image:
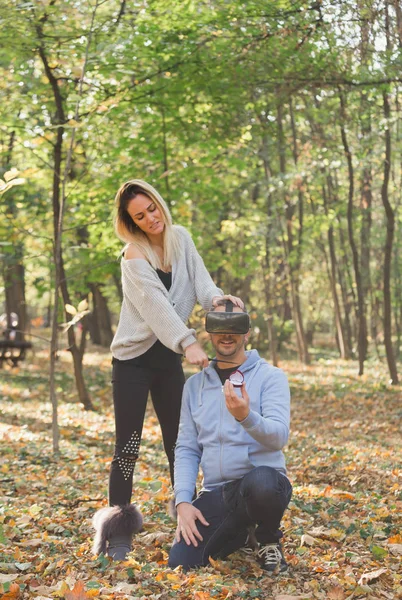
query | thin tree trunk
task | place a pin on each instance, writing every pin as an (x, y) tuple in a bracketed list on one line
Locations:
[(343, 349), (347, 291), (388, 248), (291, 250), (117, 282), (272, 337), (13, 267), (362, 327), (100, 325), (58, 200)]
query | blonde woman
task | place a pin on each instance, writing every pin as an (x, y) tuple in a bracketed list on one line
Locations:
[(163, 276)]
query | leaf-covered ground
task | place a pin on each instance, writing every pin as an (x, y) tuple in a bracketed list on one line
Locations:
[(343, 535)]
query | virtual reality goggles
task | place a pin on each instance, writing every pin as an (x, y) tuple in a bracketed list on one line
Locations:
[(228, 321)]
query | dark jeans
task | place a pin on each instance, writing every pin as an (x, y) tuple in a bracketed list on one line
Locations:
[(259, 498), (132, 383)]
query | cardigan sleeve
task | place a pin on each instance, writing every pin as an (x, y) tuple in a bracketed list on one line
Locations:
[(205, 288), (144, 289)]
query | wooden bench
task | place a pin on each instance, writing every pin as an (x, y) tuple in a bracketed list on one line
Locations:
[(13, 351)]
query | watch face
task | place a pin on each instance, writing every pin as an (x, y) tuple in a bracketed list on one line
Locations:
[(236, 378)]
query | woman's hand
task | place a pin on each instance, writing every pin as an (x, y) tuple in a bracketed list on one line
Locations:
[(236, 301), (195, 355)]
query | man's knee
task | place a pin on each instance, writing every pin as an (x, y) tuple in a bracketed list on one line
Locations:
[(174, 558), (263, 484), (185, 556), (180, 555)]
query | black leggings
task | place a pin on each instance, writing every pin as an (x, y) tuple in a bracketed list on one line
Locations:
[(131, 384)]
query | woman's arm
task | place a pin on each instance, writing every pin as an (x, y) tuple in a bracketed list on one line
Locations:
[(147, 293), (208, 294)]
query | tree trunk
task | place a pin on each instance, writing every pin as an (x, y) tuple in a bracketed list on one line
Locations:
[(117, 282), (13, 267), (388, 249), (343, 348), (272, 337), (292, 252), (58, 213), (347, 291), (100, 324), (362, 327)]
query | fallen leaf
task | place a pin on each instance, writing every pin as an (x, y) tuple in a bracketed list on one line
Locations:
[(31, 543), (287, 597), (202, 596), (336, 593), (77, 593), (371, 576), (328, 534), (23, 566), (10, 591), (150, 538), (395, 549), (220, 566), (307, 540), (34, 510), (6, 577)]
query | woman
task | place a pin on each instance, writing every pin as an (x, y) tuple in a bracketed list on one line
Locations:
[(163, 276)]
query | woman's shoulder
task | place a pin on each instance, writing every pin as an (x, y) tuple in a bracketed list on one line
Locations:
[(131, 251)]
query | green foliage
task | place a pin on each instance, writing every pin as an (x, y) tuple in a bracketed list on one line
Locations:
[(189, 96)]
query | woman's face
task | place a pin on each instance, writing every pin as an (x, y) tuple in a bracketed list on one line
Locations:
[(146, 214)]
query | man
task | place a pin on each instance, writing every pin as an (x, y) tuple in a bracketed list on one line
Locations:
[(234, 423)]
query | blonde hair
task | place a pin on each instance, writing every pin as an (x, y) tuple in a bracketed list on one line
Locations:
[(129, 232)]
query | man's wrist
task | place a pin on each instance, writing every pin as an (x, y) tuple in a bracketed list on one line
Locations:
[(243, 418), (183, 496)]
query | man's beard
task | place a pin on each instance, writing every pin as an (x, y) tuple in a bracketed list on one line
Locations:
[(229, 350)]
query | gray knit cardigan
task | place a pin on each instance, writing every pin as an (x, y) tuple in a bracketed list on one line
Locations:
[(149, 312)]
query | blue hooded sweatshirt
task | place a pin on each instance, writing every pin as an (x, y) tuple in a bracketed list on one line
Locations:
[(225, 448)]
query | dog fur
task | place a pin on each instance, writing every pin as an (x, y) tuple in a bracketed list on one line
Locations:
[(172, 510), (114, 521)]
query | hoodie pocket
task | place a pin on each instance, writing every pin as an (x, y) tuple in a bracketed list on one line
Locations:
[(235, 461)]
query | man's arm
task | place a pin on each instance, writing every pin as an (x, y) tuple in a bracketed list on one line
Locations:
[(187, 452), (270, 427), (187, 459)]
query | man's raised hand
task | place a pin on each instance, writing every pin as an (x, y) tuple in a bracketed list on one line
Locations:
[(238, 406)]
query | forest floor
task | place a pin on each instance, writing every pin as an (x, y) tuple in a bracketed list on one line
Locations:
[(342, 531)]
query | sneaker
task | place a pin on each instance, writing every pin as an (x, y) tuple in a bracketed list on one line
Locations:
[(271, 558)]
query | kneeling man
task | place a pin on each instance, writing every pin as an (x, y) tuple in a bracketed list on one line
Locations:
[(234, 423)]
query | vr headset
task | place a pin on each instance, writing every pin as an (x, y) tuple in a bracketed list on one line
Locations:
[(228, 321)]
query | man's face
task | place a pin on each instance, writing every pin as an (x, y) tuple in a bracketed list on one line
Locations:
[(228, 344)]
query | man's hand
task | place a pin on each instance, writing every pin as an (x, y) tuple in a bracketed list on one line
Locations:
[(238, 406), (187, 514)]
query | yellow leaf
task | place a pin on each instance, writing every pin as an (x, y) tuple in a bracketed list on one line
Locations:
[(219, 566), (11, 174), (34, 510), (77, 593), (71, 310), (83, 305), (172, 577)]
